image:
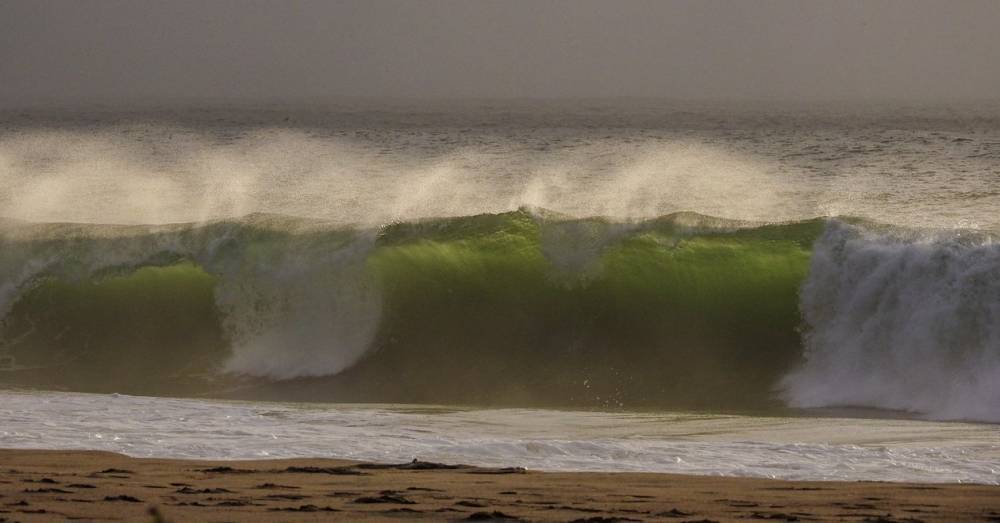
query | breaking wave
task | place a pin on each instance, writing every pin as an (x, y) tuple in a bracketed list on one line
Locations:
[(516, 308), (901, 322)]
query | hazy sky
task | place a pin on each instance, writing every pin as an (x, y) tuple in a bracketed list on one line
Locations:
[(83, 49)]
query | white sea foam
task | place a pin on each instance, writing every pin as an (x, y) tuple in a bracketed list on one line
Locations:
[(786, 448), (909, 324)]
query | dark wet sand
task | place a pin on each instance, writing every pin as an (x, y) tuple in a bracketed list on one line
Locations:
[(78, 485)]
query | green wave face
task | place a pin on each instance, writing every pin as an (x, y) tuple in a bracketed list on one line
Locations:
[(476, 309), (508, 309), (148, 332)]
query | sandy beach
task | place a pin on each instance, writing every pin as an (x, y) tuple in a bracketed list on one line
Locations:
[(43, 485)]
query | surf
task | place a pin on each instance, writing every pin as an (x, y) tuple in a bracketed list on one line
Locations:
[(522, 308)]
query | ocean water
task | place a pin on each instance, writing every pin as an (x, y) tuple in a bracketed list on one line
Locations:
[(630, 257), (794, 448)]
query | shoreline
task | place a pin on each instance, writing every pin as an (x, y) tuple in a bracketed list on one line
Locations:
[(46, 485)]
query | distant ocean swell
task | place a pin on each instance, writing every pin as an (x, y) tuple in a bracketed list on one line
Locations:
[(518, 308)]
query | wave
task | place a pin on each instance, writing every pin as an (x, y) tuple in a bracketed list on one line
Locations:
[(286, 297), (517, 308), (901, 322)]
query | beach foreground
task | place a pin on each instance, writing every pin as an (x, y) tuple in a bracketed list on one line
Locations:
[(42, 485)]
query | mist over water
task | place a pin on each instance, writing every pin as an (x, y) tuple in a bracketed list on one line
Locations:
[(115, 178), (909, 166)]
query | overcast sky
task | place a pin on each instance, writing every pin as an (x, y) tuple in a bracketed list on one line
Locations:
[(73, 50)]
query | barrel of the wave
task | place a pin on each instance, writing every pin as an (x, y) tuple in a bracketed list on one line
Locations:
[(656, 314)]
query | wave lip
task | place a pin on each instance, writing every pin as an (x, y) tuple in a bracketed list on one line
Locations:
[(902, 324)]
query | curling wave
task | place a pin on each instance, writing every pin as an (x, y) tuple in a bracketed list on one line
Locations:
[(517, 308)]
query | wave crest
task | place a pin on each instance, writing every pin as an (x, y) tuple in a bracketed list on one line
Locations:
[(518, 308), (901, 323)]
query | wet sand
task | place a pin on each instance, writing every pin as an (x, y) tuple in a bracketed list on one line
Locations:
[(40, 485)]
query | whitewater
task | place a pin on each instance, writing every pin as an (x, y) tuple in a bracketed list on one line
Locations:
[(545, 261), (795, 448)]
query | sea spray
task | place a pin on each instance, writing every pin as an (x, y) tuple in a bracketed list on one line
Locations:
[(160, 174), (901, 320), (297, 305)]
